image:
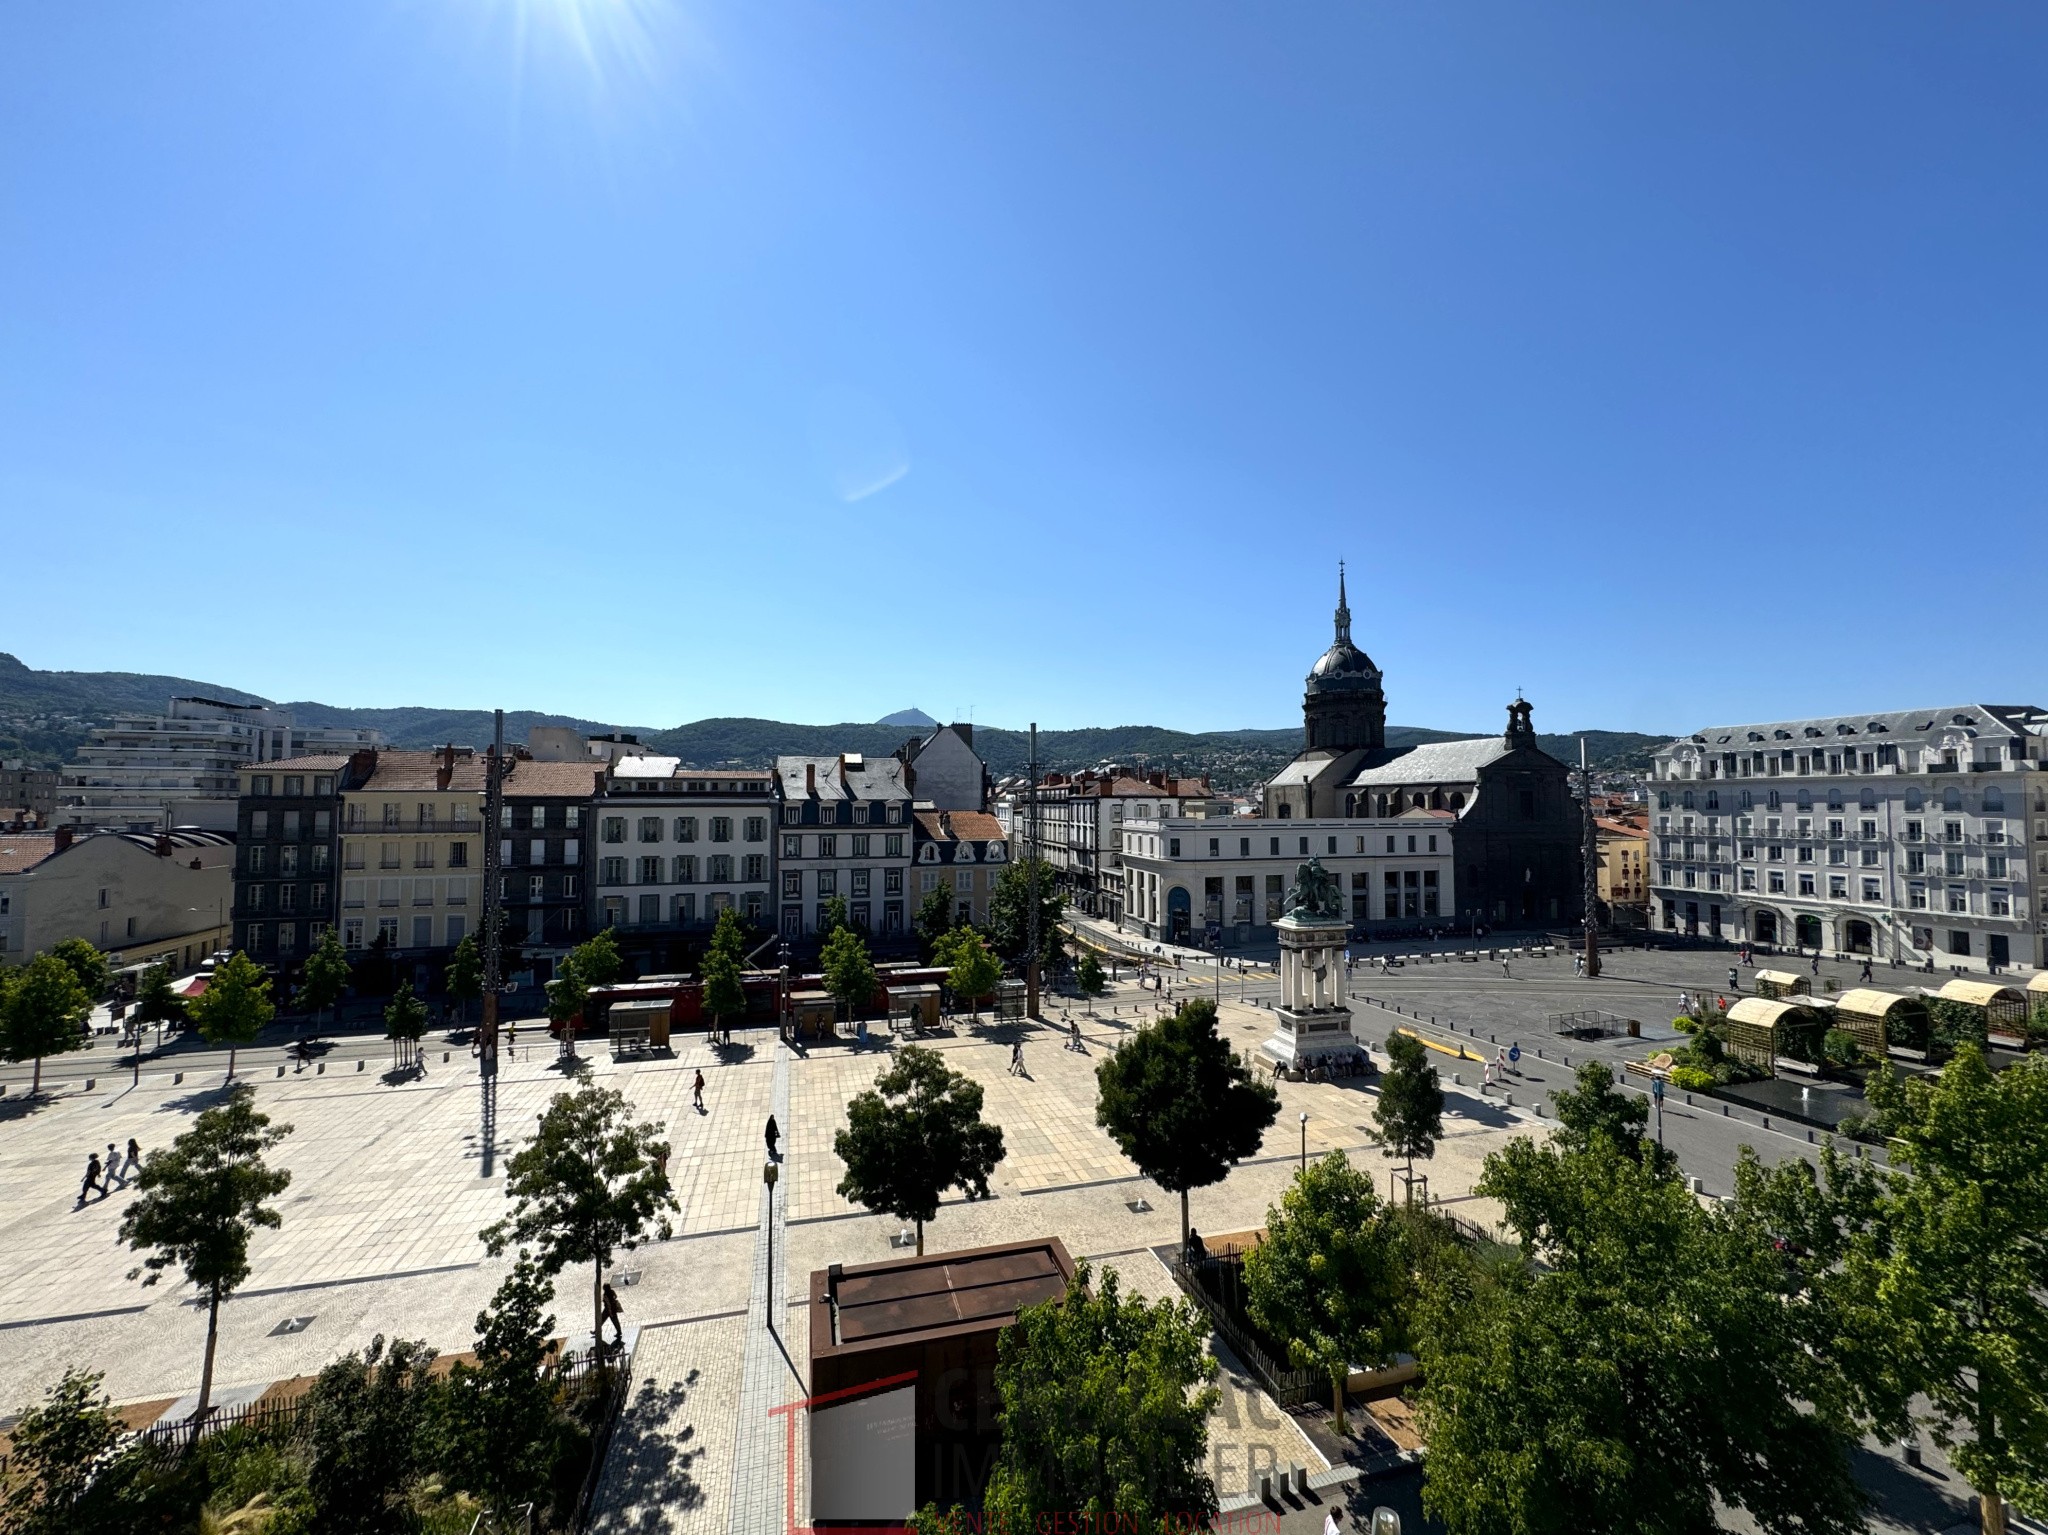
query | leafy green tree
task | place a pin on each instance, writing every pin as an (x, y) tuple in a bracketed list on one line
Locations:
[(1089, 977), (849, 974), (833, 920), (1593, 1112), (933, 919), (55, 1449), (1181, 1104), (326, 974), (1955, 1262), (1645, 1368), (1410, 1110), (43, 1013), (200, 1200), (1332, 1275), (1104, 1411), (597, 959), (156, 1002), (1009, 914), (364, 1430), (729, 936), (589, 1184), (88, 964), (725, 993), (235, 1005), (972, 971), (594, 962), (405, 1023), (465, 974), (916, 1133), (501, 1419)]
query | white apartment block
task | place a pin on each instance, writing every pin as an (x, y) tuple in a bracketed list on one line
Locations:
[(676, 846), (845, 834), (1903, 836), (1188, 879), (1079, 821)]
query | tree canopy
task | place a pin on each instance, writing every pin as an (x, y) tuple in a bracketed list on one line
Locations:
[(42, 1012), (972, 969), (725, 993), (54, 1449), (1009, 914), (1410, 1111), (1089, 977), (465, 973), (157, 1000), (933, 919), (849, 974), (88, 964), (1181, 1104), (405, 1022), (916, 1133), (235, 1005)]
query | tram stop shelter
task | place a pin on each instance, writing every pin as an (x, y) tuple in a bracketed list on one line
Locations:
[(903, 1403), (1761, 1029), (1783, 983), (1877, 1020), (815, 1013), (640, 1023)]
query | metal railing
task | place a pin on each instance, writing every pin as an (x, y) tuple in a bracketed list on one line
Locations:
[(1207, 1280)]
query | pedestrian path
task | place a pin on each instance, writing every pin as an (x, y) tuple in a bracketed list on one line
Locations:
[(769, 1379)]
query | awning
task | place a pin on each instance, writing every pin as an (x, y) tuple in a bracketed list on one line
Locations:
[(1982, 993)]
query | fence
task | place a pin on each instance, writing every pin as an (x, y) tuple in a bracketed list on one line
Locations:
[(272, 1417), (621, 1366), (1215, 1281)]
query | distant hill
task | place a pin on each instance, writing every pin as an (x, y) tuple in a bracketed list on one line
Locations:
[(45, 716), (909, 719)]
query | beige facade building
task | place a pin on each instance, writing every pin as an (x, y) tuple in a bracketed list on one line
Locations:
[(963, 852), (139, 897), (412, 852)]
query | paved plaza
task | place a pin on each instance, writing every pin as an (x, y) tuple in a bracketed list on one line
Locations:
[(393, 1179)]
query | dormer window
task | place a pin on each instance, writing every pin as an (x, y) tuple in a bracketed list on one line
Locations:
[(828, 815), (860, 815)]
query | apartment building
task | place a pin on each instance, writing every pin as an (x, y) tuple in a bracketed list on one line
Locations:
[(1912, 835), (29, 790), (139, 896), (412, 852), (288, 852), (845, 833), (962, 852), (544, 818), (676, 846), (1075, 823)]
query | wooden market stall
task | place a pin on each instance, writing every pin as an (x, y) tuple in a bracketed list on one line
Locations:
[(1761, 1029)]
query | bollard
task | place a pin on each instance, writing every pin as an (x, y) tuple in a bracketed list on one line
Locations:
[(1539, 1052), (1688, 1100), (1809, 1137), (1457, 1079), (1767, 1121), (361, 1064), (1265, 1486), (89, 1081), (319, 1068), (1508, 1098), (444, 1057), (280, 1071), (1724, 1111), (177, 1077)]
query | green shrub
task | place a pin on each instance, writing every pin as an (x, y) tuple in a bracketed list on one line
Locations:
[(1954, 1024), (1693, 1079), (1685, 1023), (1839, 1048)]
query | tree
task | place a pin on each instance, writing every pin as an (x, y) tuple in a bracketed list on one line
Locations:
[(1955, 1262), (1089, 977), (972, 971), (916, 1133), (933, 919), (375, 974), (500, 1416), (199, 1202), (849, 973), (326, 974), (363, 1430), (465, 974), (1410, 1111), (44, 1013), (589, 1183), (156, 1001), (235, 1005), (1645, 1368), (1331, 1277), (729, 936), (88, 964), (594, 962), (55, 1449), (1592, 1112), (597, 959), (833, 919), (1181, 1104), (725, 994), (1104, 1411), (405, 1021), (1009, 914)]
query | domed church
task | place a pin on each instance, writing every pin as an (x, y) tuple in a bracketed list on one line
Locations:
[(1515, 828)]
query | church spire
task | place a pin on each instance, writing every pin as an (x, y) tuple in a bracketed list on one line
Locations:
[(1343, 609)]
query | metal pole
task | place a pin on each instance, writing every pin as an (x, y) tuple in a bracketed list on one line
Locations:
[(1304, 1140), (1031, 971), (1591, 857), (494, 800)]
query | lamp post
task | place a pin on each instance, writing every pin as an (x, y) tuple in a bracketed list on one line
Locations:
[(1304, 1140), (768, 1176)]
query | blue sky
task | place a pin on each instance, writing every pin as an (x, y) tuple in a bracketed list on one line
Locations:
[(1673, 363)]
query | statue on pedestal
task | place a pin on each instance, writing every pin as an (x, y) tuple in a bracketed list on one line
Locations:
[(1317, 896)]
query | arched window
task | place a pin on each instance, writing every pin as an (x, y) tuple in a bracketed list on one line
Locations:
[(1994, 800), (1663, 799), (1713, 799), (1867, 800), (1688, 799)]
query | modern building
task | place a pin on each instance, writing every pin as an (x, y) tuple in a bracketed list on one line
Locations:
[(1903, 835), (30, 790), (140, 897), (544, 819), (945, 771), (179, 768), (845, 833), (676, 846), (288, 852), (1075, 822), (962, 852), (559, 743), (412, 852)]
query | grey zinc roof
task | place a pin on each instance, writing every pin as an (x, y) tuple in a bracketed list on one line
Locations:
[(1880, 725), (1431, 762), (1305, 767), (866, 777)]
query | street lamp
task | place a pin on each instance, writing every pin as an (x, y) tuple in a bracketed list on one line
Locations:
[(1304, 1140)]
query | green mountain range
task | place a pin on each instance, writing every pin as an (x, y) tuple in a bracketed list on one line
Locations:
[(46, 715)]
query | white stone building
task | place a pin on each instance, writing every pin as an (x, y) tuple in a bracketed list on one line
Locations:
[(1079, 820), (140, 897), (676, 846), (845, 833), (1902, 835)]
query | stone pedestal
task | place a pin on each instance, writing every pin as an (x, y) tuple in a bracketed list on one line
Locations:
[(1311, 1019)]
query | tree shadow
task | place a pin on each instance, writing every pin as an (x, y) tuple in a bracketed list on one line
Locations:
[(732, 1054), (20, 1105), (1480, 1110), (652, 1467), (204, 1098), (576, 1066)]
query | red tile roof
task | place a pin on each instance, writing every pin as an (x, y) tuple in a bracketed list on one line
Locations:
[(960, 826), (553, 780), (25, 849), (414, 772)]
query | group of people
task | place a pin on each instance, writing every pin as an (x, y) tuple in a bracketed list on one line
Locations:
[(101, 1176)]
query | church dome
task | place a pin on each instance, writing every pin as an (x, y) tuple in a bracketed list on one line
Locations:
[(1342, 660)]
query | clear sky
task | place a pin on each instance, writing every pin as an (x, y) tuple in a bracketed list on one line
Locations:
[(1675, 363)]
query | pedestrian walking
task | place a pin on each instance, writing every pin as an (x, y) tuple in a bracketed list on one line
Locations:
[(134, 1155), (612, 1311), (1734, 979), (697, 1091), (512, 1041), (114, 1165), (92, 1184), (1816, 961), (1506, 974), (1017, 1058), (1074, 1036), (773, 1135), (1866, 967), (1330, 1525), (1685, 1004)]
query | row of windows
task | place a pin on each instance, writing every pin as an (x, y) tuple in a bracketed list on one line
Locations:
[(682, 910), (1997, 901), (537, 887), (1992, 799), (1987, 756), (1992, 832), (859, 882), (452, 929), (294, 785), (828, 845), (858, 915), (537, 850), (1149, 846), (390, 855), (535, 818), (293, 825), (857, 813), (283, 938), (256, 859), (394, 892), (287, 897), (356, 816), (683, 828), (682, 869)]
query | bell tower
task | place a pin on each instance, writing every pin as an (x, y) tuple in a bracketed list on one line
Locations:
[(1344, 707)]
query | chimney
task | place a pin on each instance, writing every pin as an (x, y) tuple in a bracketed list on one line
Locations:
[(810, 778), (842, 770), (445, 774), (64, 836), (965, 733), (163, 845)]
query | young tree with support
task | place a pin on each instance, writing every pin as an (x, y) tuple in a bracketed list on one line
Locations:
[(405, 1024), (465, 974), (588, 1185), (1181, 1104), (1089, 977), (199, 1201), (43, 1011), (850, 976), (725, 993), (157, 1001), (1410, 1111), (1332, 1276), (916, 1133), (972, 970), (234, 1007), (325, 980)]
